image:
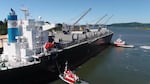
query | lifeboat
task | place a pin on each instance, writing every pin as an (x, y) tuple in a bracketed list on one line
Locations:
[(49, 45)]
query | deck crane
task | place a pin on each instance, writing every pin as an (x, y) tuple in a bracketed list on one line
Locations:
[(108, 19), (67, 29), (104, 24), (96, 25), (82, 16), (101, 19)]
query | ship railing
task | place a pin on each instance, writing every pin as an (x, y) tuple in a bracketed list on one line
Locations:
[(89, 36), (49, 52), (83, 38), (10, 65), (80, 38)]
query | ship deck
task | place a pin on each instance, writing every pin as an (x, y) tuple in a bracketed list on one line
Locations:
[(68, 42)]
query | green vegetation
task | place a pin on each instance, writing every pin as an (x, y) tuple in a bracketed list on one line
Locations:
[(3, 27), (132, 24)]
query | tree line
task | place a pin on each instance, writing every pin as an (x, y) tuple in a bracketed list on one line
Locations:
[(3, 27), (131, 24)]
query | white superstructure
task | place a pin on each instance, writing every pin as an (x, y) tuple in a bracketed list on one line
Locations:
[(30, 40)]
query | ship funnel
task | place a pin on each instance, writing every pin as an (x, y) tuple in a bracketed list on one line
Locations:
[(12, 27)]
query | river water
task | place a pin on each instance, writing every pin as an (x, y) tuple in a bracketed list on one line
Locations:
[(116, 65)]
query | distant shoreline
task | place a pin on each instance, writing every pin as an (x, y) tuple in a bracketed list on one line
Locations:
[(131, 24)]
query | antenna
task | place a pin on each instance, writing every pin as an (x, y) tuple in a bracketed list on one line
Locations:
[(25, 11)]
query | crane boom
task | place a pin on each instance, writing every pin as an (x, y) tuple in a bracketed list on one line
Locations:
[(108, 19), (82, 16), (101, 19)]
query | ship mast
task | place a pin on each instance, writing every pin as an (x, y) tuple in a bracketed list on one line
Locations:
[(25, 11)]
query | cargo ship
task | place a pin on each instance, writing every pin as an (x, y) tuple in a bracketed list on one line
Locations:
[(35, 54)]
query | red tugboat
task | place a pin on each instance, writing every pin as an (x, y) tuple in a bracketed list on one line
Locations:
[(119, 42), (69, 77)]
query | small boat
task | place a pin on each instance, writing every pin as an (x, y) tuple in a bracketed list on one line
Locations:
[(120, 43), (69, 77)]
